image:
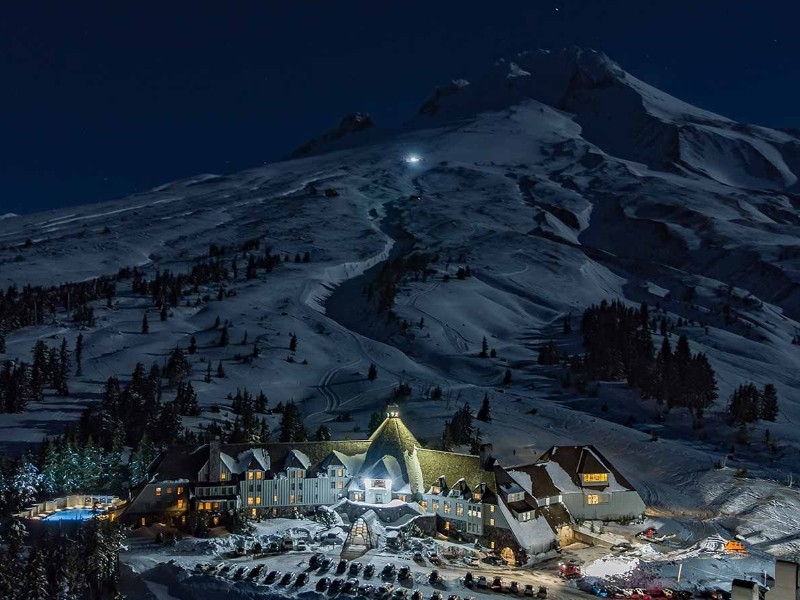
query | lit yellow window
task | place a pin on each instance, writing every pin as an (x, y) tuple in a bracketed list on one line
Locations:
[(180, 503), (158, 491), (423, 505), (459, 510), (253, 513), (216, 505), (340, 473), (258, 499), (223, 476), (595, 477), (291, 499), (491, 545), (275, 498), (300, 474), (259, 475), (476, 496), (447, 525), (447, 508), (341, 484), (180, 490), (250, 475), (208, 505), (435, 506), (592, 499), (491, 522), (249, 501)]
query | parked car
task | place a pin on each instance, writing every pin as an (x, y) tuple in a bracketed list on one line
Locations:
[(436, 596), (300, 546), (272, 577), (355, 568), (273, 547), (326, 563), (286, 579), (528, 591), (513, 588), (384, 591), (301, 580), (482, 582), (418, 558), (224, 569), (323, 583), (369, 570), (388, 571), (542, 593), (316, 560), (469, 579), (350, 586), (416, 595), (434, 577), (366, 589), (404, 572), (238, 573), (497, 584), (336, 585), (454, 597), (256, 571), (399, 593), (341, 567)]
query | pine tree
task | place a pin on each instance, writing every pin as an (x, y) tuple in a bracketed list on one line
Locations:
[(323, 434), (163, 313), (34, 584), (79, 355), (207, 377), (62, 370), (192, 346), (216, 322), (372, 373), (507, 377), (292, 428), (220, 370), (244, 338), (567, 326), (769, 403), (375, 421), (485, 414), (256, 351), (2, 343), (293, 343), (484, 348), (224, 338), (145, 325)]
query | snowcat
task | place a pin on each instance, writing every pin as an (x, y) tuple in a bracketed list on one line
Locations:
[(570, 570)]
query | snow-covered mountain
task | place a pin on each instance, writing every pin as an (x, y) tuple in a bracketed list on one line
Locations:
[(560, 180)]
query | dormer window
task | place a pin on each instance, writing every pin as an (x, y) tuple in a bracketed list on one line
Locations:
[(595, 478), (223, 476)]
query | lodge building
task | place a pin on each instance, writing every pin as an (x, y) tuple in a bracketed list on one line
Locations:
[(521, 511)]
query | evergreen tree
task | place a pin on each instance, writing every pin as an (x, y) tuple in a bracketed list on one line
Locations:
[(293, 343), (2, 343), (163, 313), (323, 434), (62, 370), (220, 370), (261, 402), (484, 348), (224, 338), (375, 421), (372, 373), (192, 346), (292, 428), (79, 355), (744, 404), (256, 351), (145, 325), (207, 377), (485, 414), (769, 403), (507, 377)]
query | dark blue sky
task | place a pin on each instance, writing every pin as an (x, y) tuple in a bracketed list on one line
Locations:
[(101, 99)]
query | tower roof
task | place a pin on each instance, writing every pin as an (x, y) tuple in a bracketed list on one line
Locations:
[(395, 440)]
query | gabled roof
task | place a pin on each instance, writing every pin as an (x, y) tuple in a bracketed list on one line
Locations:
[(435, 464), (180, 462), (575, 460), (296, 460), (535, 480)]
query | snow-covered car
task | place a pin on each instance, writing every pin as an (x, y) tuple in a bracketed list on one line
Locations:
[(482, 582), (300, 546), (350, 586), (388, 571), (287, 578), (434, 577), (399, 594), (336, 585), (316, 560), (326, 564), (323, 584), (469, 579), (255, 571), (454, 597), (355, 568), (404, 572), (384, 591), (301, 580), (436, 596), (366, 589), (497, 584), (416, 595), (418, 558), (239, 572), (513, 587), (341, 567), (369, 570), (272, 577)]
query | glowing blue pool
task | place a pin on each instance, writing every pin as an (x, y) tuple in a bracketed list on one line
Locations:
[(73, 514)]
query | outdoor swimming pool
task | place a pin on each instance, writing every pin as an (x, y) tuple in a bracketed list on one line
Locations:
[(73, 514)]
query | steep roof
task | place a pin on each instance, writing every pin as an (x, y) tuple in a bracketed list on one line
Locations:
[(535, 480), (452, 466), (575, 460), (180, 462), (394, 440)]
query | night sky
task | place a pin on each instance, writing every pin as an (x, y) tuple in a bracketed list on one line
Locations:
[(102, 99)]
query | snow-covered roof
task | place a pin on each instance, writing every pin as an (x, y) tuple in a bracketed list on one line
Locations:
[(533, 535)]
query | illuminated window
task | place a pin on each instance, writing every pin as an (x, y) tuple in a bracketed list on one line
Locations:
[(340, 473), (216, 505), (491, 545), (447, 508), (291, 499), (595, 477), (250, 475), (341, 485), (436, 489), (275, 498), (180, 490), (208, 506), (435, 506), (459, 510), (253, 513), (592, 499), (301, 474), (491, 508), (249, 501), (447, 525), (259, 475), (158, 491), (423, 505), (491, 522), (223, 476), (476, 496), (180, 503), (169, 490), (258, 500)]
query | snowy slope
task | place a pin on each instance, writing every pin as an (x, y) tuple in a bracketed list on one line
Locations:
[(560, 180)]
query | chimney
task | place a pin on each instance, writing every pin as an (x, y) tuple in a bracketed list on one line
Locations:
[(486, 458), (214, 462), (787, 581)]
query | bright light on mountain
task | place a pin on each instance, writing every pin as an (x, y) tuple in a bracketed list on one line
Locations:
[(412, 159)]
